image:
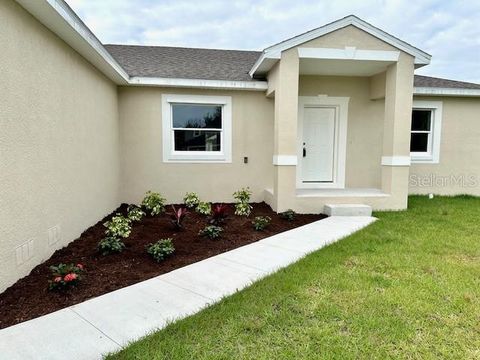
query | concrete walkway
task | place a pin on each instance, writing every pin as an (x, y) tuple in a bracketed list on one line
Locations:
[(108, 322)]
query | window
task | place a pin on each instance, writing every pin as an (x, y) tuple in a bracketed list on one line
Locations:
[(425, 131), (196, 128)]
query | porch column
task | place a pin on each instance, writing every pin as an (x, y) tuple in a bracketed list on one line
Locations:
[(396, 130), (285, 130)]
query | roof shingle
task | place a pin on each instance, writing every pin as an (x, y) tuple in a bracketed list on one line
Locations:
[(427, 81), (184, 63), (214, 64)]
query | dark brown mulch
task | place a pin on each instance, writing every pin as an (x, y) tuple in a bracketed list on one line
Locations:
[(29, 297)]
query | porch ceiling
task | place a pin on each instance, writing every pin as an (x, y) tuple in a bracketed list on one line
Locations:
[(342, 67), (349, 61)]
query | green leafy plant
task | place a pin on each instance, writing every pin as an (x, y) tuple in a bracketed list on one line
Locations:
[(191, 200), (118, 226), (161, 249), (110, 245), (243, 209), (211, 231), (134, 213), (65, 276), (261, 222), (242, 206), (242, 195), (204, 208), (154, 202), (288, 215)]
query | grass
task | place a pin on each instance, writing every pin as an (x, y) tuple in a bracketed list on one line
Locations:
[(406, 287)]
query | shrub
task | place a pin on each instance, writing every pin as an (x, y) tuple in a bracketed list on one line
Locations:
[(110, 245), (154, 202), (242, 206), (242, 195), (288, 215), (261, 222), (219, 213), (204, 208), (135, 213), (191, 200), (118, 226), (177, 216), (65, 276), (161, 249), (243, 209), (211, 231)]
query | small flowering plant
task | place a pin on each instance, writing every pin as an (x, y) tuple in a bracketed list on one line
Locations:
[(65, 276), (118, 226), (204, 208), (191, 200), (135, 213), (154, 202)]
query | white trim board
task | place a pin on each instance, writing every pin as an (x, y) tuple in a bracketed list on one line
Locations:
[(199, 83), (433, 157), (396, 160), (340, 157), (285, 160), (434, 91), (421, 58), (349, 53), (170, 155)]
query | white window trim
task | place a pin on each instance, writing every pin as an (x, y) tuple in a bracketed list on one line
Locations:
[(170, 155), (340, 150), (433, 155)]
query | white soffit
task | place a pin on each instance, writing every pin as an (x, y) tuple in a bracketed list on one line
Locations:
[(57, 16), (344, 62), (421, 57)]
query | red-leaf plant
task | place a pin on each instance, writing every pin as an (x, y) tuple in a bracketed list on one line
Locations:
[(219, 213), (177, 216)]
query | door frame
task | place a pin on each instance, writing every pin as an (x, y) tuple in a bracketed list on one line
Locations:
[(340, 140)]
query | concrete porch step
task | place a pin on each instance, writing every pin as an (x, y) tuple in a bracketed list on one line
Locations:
[(347, 210)]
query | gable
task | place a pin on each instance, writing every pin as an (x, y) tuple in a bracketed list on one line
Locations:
[(349, 36)]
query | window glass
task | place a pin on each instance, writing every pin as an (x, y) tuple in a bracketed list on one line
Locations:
[(421, 120), (193, 116), (419, 142), (197, 140)]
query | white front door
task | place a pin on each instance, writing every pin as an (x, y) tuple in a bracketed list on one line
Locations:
[(318, 144)]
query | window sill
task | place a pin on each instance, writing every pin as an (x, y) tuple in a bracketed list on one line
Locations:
[(419, 159), (197, 159)]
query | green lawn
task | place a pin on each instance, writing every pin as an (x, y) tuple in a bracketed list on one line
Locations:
[(408, 287)]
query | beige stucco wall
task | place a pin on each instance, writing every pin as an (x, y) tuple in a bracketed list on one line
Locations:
[(365, 125), (349, 36), (59, 142), (458, 171), (142, 162)]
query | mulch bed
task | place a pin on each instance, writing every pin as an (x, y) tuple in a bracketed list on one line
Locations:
[(29, 297)]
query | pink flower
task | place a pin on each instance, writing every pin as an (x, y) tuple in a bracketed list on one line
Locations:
[(70, 277), (80, 266), (57, 279)]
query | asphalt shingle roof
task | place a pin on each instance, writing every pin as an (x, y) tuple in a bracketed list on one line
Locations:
[(213, 64), (184, 63), (427, 81)]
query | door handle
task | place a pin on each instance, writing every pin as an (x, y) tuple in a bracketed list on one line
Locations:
[(304, 152)]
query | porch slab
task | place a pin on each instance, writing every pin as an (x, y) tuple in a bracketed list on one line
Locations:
[(347, 210), (347, 192), (104, 324)]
